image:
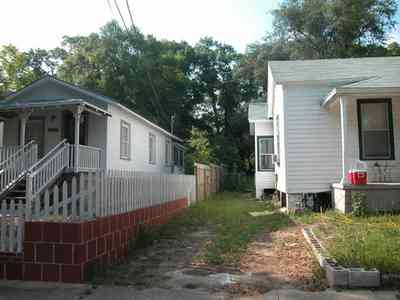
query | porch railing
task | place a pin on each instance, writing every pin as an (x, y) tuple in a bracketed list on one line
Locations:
[(7, 151), (45, 171), (89, 158), (15, 166)]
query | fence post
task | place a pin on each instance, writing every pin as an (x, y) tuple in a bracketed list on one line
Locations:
[(29, 198)]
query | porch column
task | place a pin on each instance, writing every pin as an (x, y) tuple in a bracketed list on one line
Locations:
[(344, 130), (24, 116), (77, 117)]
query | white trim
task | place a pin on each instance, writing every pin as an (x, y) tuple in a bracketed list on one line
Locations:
[(260, 121), (152, 149), (344, 132), (127, 125), (348, 91)]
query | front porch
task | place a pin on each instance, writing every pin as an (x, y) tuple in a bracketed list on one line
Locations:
[(369, 131), (79, 125)]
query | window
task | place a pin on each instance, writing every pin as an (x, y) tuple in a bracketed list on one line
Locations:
[(152, 148), (265, 153), (125, 145), (375, 126), (178, 156), (168, 152), (278, 143)]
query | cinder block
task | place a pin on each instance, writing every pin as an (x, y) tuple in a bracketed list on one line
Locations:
[(337, 276), (359, 277)]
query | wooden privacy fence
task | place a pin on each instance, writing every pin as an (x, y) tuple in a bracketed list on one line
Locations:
[(209, 180)]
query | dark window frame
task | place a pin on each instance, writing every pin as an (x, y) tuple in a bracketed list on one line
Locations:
[(258, 153), (128, 126), (360, 131)]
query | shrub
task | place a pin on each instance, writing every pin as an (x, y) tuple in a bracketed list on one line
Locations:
[(358, 201)]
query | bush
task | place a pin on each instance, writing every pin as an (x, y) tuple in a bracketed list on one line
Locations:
[(359, 206)]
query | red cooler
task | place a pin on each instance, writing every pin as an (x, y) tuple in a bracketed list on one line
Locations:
[(358, 177)]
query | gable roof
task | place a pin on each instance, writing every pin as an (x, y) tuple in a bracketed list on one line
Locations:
[(368, 71), (257, 111), (23, 98), (21, 95)]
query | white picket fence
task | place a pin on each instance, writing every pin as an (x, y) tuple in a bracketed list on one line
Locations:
[(108, 193), (11, 226), (91, 195)]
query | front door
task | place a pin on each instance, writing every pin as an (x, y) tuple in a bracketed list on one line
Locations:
[(35, 131)]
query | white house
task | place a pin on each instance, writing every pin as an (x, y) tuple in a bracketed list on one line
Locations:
[(327, 115), (74, 129), (261, 129)]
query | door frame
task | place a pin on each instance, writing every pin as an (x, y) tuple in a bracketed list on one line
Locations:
[(43, 119)]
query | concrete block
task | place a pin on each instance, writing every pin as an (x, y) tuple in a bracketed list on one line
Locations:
[(336, 275), (359, 277)]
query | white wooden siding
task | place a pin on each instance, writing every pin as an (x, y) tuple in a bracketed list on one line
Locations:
[(313, 159), (264, 179), (278, 110), (97, 134), (139, 144)]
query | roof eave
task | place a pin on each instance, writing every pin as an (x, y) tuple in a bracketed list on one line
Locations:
[(346, 91)]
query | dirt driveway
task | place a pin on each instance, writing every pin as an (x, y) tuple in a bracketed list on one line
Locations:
[(219, 247)]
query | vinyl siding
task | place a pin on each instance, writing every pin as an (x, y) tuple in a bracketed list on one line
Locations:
[(278, 110), (313, 146), (264, 179), (139, 144)]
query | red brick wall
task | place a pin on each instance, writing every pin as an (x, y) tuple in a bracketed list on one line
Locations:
[(68, 252)]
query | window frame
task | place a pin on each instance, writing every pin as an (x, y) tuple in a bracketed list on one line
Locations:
[(152, 160), (259, 139), (129, 142), (278, 141), (168, 152), (388, 101), (180, 157)]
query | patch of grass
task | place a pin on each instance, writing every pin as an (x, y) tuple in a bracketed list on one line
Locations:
[(371, 241), (232, 228)]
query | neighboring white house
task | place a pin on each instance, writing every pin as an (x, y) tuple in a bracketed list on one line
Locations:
[(261, 129), (327, 114), (109, 135)]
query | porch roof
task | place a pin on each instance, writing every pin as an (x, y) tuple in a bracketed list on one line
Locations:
[(257, 111), (12, 106), (386, 85)]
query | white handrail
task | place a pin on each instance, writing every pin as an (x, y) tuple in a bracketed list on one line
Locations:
[(49, 170), (17, 165), (50, 153)]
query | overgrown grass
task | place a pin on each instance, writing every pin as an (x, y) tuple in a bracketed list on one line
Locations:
[(227, 218), (372, 241)]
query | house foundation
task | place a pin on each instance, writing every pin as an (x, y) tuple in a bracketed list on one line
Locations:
[(379, 197)]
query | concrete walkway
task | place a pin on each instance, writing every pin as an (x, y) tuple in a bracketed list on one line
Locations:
[(289, 294), (19, 290)]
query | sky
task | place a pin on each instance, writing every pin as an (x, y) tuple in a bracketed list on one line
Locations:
[(43, 23)]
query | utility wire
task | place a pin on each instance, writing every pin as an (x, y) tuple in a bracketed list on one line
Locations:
[(120, 14), (156, 103)]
